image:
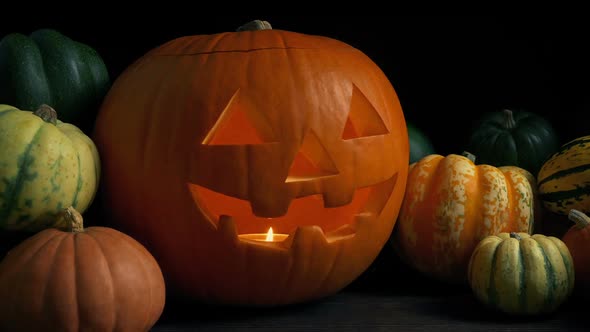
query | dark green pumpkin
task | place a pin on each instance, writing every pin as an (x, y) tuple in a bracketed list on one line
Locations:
[(47, 67), (513, 138), (420, 144)]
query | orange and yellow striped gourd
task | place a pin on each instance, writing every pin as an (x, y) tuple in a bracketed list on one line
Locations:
[(451, 204)]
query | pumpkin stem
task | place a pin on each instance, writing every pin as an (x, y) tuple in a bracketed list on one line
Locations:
[(509, 121), (579, 217), (255, 25), (515, 235), (71, 220), (47, 113), (469, 156)]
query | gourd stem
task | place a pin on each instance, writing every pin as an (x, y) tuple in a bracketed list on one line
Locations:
[(509, 121), (47, 113), (469, 156), (255, 25), (579, 217), (71, 220), (515, 235)]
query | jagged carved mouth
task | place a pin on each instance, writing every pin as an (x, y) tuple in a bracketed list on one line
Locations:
[(367, 202)]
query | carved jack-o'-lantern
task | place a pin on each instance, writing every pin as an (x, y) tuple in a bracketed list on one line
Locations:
[(209, 142)]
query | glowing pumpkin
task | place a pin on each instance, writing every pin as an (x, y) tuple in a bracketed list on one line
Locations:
[(209, 138)]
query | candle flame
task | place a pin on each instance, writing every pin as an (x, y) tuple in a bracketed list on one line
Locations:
[(269, 235)]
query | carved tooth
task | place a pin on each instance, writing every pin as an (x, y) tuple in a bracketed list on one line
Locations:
[(227, 227), (308, 237)]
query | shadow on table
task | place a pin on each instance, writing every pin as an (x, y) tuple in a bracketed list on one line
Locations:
[(388, 294), (181, 312), (389, 277)]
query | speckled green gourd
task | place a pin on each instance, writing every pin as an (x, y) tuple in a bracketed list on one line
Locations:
[(46, 165), (521, 274)]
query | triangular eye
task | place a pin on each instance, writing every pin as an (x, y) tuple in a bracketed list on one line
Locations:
[(235, 125), (363, 119), (312, 161)]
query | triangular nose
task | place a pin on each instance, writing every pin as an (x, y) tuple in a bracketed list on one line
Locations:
[(312, 161)]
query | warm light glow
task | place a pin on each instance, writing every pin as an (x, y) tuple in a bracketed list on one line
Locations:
[(269, 235)]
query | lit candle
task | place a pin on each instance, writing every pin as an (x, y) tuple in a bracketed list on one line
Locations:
[(269, 236)]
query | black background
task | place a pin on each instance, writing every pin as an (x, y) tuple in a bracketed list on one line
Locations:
[(447, 70)]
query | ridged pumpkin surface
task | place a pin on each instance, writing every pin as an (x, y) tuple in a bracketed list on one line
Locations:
[(451, 204), (44, 168), (83, 279), (209, 138), (538, 224), (564, 179), (522, 274)]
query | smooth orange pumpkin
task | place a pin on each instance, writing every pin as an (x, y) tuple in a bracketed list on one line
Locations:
[(577, 239), (93, 279), (209, 138), (451, 204)]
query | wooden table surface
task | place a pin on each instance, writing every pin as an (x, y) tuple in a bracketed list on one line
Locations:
[(358, 311), (389, 297)]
